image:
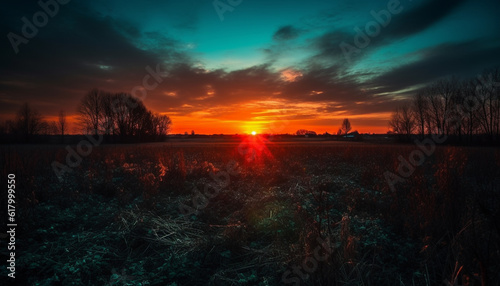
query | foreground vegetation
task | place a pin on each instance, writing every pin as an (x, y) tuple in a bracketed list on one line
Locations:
[(120, 217)]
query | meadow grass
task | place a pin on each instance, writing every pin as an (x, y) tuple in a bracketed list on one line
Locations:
[(115, 218)]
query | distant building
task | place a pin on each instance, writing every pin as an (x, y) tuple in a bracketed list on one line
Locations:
[(353, 134), (310, 133), (306, 133)]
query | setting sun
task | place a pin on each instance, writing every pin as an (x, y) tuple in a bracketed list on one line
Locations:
[(254, 133)]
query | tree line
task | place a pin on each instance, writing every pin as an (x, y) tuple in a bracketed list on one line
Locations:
[(114, 115), (462, 109), (344, 130), (120, 114), (29, 122)]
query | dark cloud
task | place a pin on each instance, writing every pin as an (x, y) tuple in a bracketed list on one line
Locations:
[(77, 50), (286, 33), (326, 87), (327, 47), (420, 18), (203, 89), (408, 22), (462, 59)]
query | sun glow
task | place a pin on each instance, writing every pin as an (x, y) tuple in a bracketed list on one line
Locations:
[(253, 147)]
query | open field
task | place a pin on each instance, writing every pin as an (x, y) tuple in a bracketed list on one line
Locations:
[(257, 212)]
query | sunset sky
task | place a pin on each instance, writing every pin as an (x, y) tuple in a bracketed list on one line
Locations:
[(239, 65)]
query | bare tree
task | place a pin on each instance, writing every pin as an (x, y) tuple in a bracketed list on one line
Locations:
[(420, 107), (163, 124), (91, 110), (131, 117), (440, 95), (61, 123), (108, 114), (470, 108), (495, 83), (487, 94), (402, 121), (29, 121), (121, 110), (394, 123), (52, 128), (449, 106), (120, 114), (435, 111), (346, 126)]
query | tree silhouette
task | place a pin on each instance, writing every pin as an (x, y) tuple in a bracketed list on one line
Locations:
[(90, 110), (301, 132), (403, 121), (346, 126), (163, 124), (121, 114), (29, 121), (453, 107), (420, 109), (61, 124)]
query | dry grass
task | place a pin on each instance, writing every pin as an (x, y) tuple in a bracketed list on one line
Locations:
[(121, 212)]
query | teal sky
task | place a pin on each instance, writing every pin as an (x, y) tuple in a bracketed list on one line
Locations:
[(241, 38)]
